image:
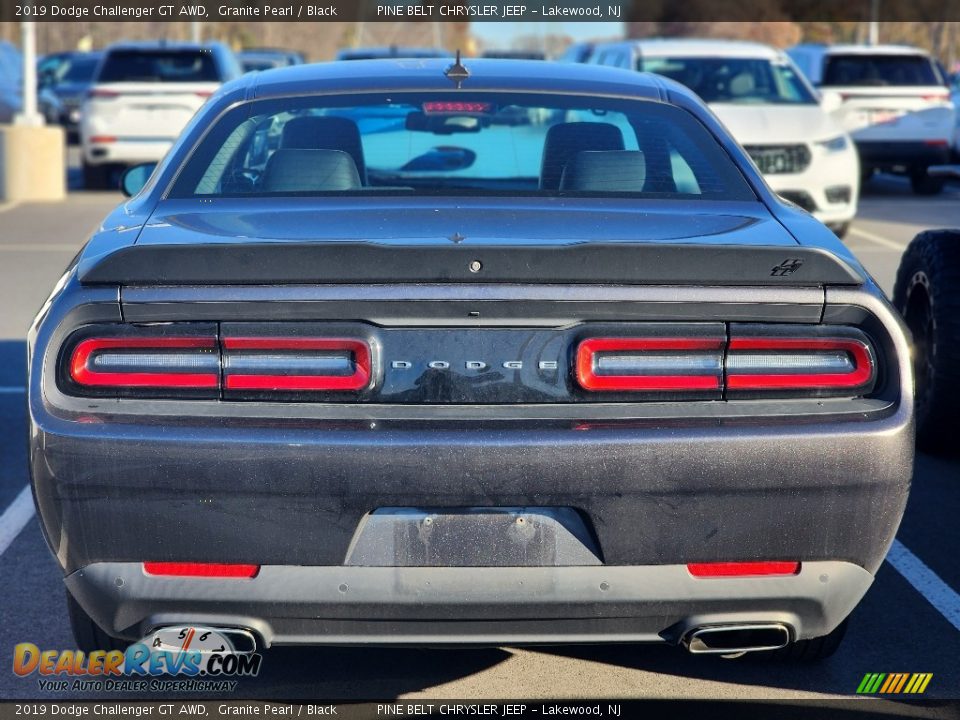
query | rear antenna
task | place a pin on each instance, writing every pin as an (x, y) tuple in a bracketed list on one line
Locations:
[(457, 72)]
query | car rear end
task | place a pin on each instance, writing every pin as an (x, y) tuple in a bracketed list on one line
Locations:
[(464, 419), (143, 96), (895, 104)]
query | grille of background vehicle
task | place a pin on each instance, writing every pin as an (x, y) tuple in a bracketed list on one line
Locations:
[(779, 159)]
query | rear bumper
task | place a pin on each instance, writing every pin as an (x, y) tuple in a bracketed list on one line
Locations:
[(287, 605), (653, 492), (126, 151), (882, 154)]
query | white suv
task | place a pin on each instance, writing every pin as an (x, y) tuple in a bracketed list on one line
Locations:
[(893, 100), (769, 107), (142, 97)]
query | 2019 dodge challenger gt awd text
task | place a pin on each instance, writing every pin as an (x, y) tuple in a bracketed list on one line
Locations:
[(408, 352)]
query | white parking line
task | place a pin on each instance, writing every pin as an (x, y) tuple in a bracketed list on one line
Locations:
[(15, 518), (878, 239), (926, 582)]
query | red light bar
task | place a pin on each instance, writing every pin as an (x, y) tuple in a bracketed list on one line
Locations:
[(103, 139), (453, 106), (195, 569), (743, 349), (742, 569), (302, 350), (153, 372), (645, 349), (103, 94)]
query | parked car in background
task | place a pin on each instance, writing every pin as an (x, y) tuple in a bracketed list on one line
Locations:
[(70, 79), (893, 100), (11, 89), (142, 97), (267, 59), (514, 54), (769, 108), (391, 51), (463, 382), (578, 52)]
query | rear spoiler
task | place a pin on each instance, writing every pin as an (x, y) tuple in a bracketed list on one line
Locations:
[(584, 263)]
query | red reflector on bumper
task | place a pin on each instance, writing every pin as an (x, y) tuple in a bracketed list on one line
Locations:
[(192, 569), (742, 569)]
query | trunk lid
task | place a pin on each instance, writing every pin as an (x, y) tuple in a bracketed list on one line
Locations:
[(306, 241)]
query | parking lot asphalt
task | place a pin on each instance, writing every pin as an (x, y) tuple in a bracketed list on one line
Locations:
[(909, 621)]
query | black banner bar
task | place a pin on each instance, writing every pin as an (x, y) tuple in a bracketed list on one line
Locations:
[(627, 11), (846, 709)]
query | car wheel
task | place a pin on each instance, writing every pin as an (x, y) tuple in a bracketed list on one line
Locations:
[(812, 649), (87, 634), (927, 294), (923, 184), (96, 177), (840, 230)]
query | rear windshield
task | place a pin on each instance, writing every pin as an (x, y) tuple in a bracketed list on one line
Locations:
[(880, 70), (461, 143), (159, 66), (734, 80)]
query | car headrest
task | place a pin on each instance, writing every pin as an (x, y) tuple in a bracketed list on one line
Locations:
[(605, 171), (565, 140), (326, 133), (742, 84), (298, 170)]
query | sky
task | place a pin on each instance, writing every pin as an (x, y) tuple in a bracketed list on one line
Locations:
[(503, 33)]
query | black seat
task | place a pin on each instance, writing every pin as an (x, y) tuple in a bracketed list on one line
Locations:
[(565, 140), (305, 170), (326, 133), (606, 171)]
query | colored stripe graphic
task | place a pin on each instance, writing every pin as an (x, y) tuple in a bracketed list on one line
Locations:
[(894, 683)]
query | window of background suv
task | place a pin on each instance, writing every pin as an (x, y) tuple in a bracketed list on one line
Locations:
[(880, 70), (734, 80), (159, 66)]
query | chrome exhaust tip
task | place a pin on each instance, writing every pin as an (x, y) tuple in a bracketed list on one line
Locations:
[(737, 639)]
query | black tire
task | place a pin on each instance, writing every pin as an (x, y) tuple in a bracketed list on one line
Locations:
[(840, 230), (924, 184), (87, 634), (96, 177), (811, 650), (927, 294)]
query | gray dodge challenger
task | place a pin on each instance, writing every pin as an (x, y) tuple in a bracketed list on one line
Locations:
[(433, 352)]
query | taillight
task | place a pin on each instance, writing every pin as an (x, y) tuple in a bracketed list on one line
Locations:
[(103, 94), (936, 97), (203, 93), (295, 364), (745, 365), (196, 569), (837, 364), (102, 139), (652, 364), (743, 569), (146, 362)]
